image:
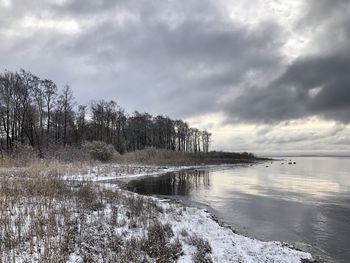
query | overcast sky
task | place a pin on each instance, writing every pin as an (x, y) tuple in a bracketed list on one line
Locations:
[(261, 75)]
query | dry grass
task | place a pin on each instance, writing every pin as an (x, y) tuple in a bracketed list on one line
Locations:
[(38, 168), (44, 219), (24, 162), (25, 155), (157, 243), (202, 255), (165, 157), (60, 159)]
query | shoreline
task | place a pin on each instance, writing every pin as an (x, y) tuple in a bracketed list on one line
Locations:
[(253, 250), (115, 172), (196, 231), (235, 229), (175, 169)]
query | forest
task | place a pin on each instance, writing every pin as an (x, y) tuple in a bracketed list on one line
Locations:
[(35, 112)]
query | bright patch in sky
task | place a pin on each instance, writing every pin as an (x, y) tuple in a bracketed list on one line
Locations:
[(68, 26), (5, 3)]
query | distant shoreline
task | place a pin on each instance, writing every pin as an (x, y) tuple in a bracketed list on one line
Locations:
[(303, 155)]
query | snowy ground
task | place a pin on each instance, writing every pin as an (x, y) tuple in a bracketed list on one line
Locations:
[(226, 246), (48, 220), (110, 172)]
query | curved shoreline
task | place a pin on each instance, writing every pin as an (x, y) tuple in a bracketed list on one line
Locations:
[(219, 235), (221, 224), (228, 226)]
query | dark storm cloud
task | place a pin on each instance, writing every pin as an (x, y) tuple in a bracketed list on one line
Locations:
[(312, 85), (317, 85)]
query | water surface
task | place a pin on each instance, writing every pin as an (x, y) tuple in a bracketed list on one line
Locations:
[(307, 203)]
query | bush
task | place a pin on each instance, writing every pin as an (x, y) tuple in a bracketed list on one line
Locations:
[(158, 243), (202, 255), (66, 154), (99, 150)]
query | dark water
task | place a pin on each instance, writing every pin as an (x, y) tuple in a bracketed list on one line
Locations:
[(307, 204)]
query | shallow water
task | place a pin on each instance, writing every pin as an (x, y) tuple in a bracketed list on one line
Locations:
[(307, 203)]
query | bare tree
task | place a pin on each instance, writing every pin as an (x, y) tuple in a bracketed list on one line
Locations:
[(49, 94), (67, 101)]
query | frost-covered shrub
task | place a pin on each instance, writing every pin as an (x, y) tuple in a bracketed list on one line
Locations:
[(99, 150), (184, 232), (159, 245), (202, 255), (89, 198)]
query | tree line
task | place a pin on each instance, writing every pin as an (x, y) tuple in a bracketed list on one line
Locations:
[(34, 111)]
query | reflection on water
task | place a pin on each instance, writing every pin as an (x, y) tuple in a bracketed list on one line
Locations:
[(308, 202), (181, 183)]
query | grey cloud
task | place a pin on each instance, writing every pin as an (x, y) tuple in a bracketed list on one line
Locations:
[(312, 85), (322, 10), (290, 96), (190, 63), (298, 136)]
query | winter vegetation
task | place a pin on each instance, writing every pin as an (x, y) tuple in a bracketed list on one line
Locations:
[(33, 112)]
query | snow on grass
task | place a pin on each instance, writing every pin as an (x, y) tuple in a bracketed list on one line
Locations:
[(49, 220), (110, 172), (116, 171)]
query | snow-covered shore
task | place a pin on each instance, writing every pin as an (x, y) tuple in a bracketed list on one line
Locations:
[(226, 245), (111, 172), (45, 218), (115, 171)]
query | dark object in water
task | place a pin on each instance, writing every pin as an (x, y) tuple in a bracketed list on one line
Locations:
[(290, 163), (294, 163)]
